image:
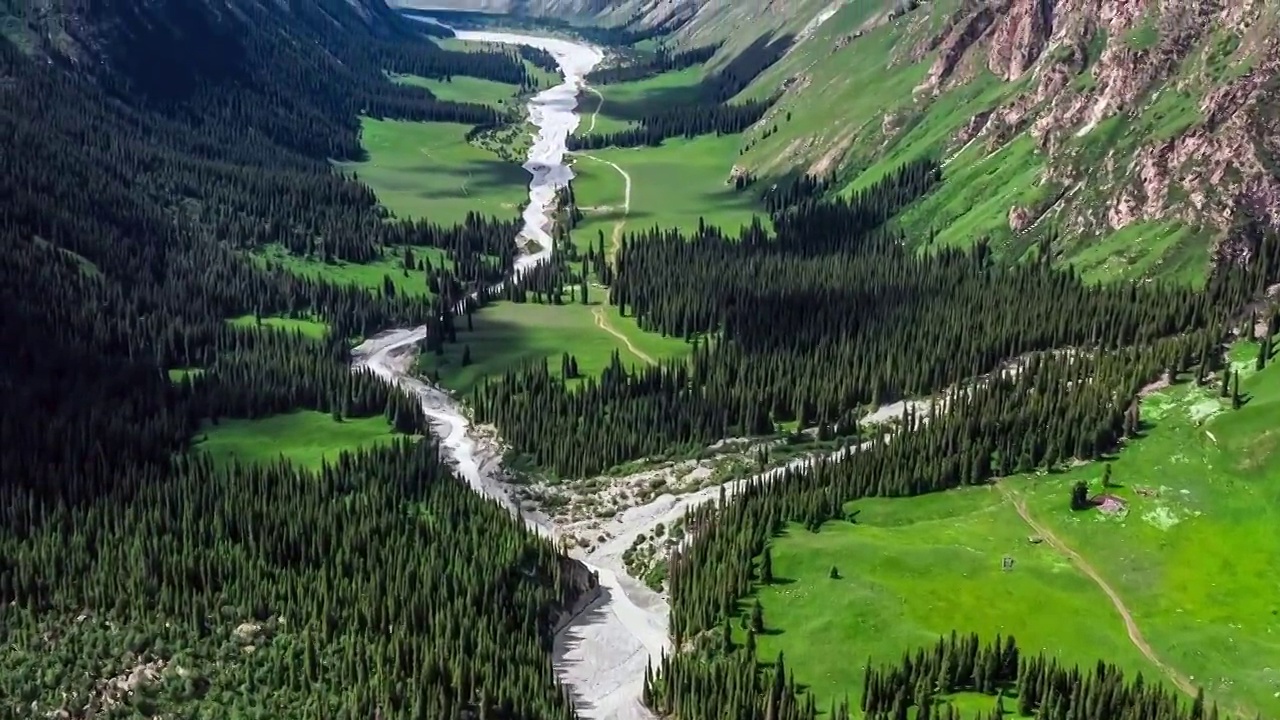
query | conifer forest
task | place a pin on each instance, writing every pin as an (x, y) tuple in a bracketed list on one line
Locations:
[(165, 169)]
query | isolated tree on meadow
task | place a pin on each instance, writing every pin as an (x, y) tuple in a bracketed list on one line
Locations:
[(757, 617), (1235, 392), (1106, 475), (835, 573), (1080, 496)]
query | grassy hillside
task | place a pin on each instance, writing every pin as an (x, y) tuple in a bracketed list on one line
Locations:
[(1188, 557), (703, 191), (1127, 136)]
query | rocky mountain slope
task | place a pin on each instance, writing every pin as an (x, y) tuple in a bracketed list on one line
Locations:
[(1098, 117), (1136, 131)]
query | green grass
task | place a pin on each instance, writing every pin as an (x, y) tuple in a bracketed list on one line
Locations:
[(1193, 563), (852, 84), (974, 199), (177, 375), (313, 329), (467, 89), (304, 438), (429, 170), (87, 266), (367, 275), (671, 186), (625, 103), (914, 569), (1145, 35), (507, 335), (1169, 249)]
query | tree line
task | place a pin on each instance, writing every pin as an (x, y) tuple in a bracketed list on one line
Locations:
[(663, 60), (737, 685), (707, 110), (687, 121), (379, 586), (316, 86), (1040, 412)]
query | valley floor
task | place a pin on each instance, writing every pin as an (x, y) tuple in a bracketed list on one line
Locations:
[(1175, 585)]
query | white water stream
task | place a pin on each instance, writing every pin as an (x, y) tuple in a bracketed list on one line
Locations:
[(602, 653)]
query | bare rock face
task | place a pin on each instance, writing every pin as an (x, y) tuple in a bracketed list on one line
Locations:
[(1019, 38), (1019, 219), (957, 39), (1094, 60)]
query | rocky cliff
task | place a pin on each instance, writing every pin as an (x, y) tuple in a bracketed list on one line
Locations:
[(1086, 62)]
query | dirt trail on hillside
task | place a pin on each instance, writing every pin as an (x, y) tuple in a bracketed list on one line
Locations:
[(599, 105), (616, 240), (1131, 627), (602, 322)]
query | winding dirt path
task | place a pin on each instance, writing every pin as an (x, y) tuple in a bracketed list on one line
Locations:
[(616, 241), (599, 105), (602, 322), (1131, 627)]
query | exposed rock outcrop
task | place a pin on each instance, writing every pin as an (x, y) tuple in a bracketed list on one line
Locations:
[(1094, 60)]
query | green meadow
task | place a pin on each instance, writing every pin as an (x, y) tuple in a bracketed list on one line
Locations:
[(177, 375), (306, 438), (1193, 555), (372, 276), (313, 329), (429, 170), (672, 185), (507, 335), (916, 568), (1191, 558), (610, 108), (466, 89)]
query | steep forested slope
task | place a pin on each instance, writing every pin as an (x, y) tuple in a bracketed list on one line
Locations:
[(139, 144)]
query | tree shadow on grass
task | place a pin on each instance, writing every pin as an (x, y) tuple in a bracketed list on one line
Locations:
[(614, 214), (475, 176), (713, 89)]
